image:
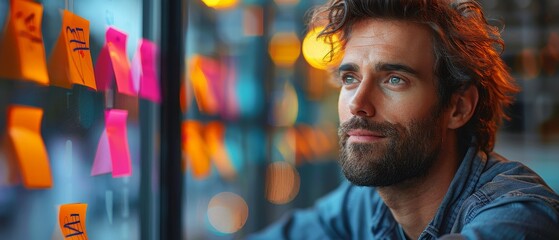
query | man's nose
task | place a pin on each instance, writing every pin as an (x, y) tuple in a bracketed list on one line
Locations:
[(362, 102)]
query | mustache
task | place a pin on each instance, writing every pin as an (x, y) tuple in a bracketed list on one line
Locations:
[(387, 129)]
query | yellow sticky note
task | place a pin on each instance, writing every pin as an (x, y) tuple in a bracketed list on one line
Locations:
[(24, 131), (70, 62), (71, 219), (22, 53)]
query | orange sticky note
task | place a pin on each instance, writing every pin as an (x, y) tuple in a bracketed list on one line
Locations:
[(71, 219), (22, 53), (112, 61), (202, 70), (9, 172), (70, 62), (24, 131), (194, 147)]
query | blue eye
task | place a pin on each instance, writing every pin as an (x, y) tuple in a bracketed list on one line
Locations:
[(348, 79), (395, 81)]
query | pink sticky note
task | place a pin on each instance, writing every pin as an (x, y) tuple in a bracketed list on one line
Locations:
[(102, 163), (113, 154), (103, 70), (112, 61), (117, 135), (149, 82), (136, 71)]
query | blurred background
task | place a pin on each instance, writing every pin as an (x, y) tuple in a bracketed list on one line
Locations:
[(258, 117)]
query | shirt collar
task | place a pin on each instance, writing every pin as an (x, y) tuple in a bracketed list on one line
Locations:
[(462, 186)]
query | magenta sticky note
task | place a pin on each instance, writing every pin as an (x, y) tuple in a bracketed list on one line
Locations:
[(102, 163), (149, 82), (104, 70), (115, 120), (112, 61), (136, 71)]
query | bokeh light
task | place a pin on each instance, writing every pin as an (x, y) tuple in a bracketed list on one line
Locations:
[(528, 64), (284, 48), (286, 106), (282, 182), (227, 212), (317, 50), (220, 4)]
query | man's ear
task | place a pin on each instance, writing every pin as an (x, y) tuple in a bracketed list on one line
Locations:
[(463, 107)]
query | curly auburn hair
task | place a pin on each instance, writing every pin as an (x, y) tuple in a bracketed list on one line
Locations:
[(467, 52)]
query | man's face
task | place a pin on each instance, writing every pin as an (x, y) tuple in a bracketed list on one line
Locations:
[(391, 124)]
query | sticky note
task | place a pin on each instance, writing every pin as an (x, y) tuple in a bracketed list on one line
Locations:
[(24, 131), (195, 150), (102, 163), (113, 63), (118, 142), (202, 69), (9, 175), (22, 53), (70, 62), (144, 71), (72, 221), (113, 153)]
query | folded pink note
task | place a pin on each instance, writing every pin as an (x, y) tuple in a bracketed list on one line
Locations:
[(113, 154), (102, 163), (112, 61), (148, 80)]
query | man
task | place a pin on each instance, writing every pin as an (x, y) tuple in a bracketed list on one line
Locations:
[(423, 93)]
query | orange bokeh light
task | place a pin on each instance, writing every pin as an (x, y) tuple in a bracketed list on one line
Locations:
[(282, 182), (284, 49), (316, 50), (220, 4)]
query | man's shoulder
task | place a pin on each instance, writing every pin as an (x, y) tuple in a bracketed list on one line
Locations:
[(504, 181), (509, 200)]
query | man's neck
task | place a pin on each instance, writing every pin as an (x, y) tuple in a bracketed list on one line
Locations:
[(414, 203)]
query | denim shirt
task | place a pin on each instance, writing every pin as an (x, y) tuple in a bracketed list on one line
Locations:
[(489, 198)]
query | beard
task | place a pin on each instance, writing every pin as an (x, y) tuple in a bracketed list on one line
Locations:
[(404, 154)]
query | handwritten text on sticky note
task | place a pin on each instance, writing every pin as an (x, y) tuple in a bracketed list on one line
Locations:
[(71, 219), (71, 62), (22, 53)]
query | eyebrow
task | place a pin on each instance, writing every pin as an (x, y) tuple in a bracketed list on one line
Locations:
[(348, 67), (381, 66)]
